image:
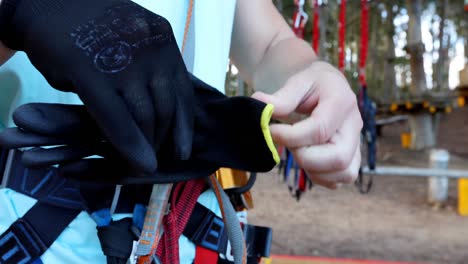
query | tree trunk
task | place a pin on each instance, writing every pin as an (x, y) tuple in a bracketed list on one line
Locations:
[(422, 131), (323, 25), (391, 91), (440, 81)]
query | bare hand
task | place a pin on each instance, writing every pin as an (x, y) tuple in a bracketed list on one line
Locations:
[(326, 143)]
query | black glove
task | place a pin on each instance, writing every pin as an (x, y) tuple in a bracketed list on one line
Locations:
[(123, 62), (229, 132)]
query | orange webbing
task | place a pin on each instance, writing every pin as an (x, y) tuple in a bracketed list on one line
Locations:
[(187, 24)]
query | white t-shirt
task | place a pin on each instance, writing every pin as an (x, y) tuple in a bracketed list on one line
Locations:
[(22, 83)]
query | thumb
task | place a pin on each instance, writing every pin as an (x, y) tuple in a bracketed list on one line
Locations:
[(285, 100)]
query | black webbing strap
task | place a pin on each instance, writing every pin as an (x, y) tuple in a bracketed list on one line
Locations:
[(45, 185), (60, 200), (31, 235), (207, 230), (3, 159)]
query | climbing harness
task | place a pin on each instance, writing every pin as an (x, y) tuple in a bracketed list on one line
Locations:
[(63, 199), (298, 184), (366, 106)]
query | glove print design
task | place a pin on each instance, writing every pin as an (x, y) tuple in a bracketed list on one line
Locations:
[(112, 39)]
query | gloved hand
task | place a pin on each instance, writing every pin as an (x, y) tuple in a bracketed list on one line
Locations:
[(228, 132), (123, 62)]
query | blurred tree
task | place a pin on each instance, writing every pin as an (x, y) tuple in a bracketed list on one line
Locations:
[(420, 124), (382, 60)]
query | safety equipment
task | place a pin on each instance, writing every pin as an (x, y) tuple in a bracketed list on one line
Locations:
[(229, 132), (367, 107), (62, 199), (123, 62)]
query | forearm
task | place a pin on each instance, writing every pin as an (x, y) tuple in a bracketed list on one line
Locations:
[(264, 48), (280, 62)]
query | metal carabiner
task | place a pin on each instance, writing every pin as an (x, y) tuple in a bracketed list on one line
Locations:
[(301, 17)]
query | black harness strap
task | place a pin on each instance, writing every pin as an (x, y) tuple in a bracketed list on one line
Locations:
[(60, 200), (207, 230), (31, 235)]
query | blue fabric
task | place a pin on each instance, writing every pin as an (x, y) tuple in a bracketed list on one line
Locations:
[(102, 217), (369, 129), (139, 216)]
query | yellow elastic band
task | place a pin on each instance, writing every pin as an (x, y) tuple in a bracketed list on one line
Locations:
[(265, 125)]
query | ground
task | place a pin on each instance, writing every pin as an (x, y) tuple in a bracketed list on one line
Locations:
[(393, 222)]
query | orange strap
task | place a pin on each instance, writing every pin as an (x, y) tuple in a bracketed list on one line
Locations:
[(187, 24)]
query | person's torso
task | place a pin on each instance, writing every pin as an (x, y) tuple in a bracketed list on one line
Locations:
[(208, 44)]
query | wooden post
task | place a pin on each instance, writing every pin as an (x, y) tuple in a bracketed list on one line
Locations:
[(437, 192)]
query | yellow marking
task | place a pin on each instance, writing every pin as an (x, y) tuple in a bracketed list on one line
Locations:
[(426, 104), (405, 140), (394, 107), (409, 105), (448, 109), (463, 197), (265, 125), (432, 109), (461, 101)]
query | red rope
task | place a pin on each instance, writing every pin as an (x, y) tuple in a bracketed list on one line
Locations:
[(183, 200), (341, 35), (364, 41), (315, 28)]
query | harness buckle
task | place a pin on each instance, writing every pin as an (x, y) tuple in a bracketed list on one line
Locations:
[(210, 233), (20, 244)]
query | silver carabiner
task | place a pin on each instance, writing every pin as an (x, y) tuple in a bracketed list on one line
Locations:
[(302, 16)]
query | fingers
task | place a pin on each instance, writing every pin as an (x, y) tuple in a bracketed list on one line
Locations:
[(118, 124), (16, 138), (321, 92), (322, 124), (136, 96), (287, 99), (56, 120), (184, 117), (335, 155), (331, 179), (40, 157), (164, 100)]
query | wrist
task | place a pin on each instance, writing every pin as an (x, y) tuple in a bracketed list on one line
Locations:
[(322, 67)]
